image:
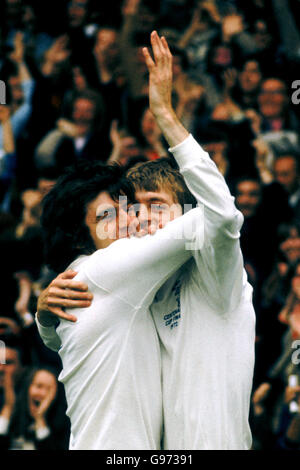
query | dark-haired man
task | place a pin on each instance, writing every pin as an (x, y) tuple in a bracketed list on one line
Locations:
[(203, 313)]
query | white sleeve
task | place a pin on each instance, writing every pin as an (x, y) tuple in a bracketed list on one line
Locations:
[(135, 268), (219, 261), (49, 335)]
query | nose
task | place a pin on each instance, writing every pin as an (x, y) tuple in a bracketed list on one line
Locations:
[(126, 218), (144, 214)]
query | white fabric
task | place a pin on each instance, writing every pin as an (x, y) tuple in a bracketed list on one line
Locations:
[(206, 324), (42, 433), (204, 317), (4, 425), (79, 143), (111, 356)]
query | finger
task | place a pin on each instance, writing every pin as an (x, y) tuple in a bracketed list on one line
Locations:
[(63, 315), (69, 293), (69, 284), (68, 303), (148, 59), (67, 274), (158, 50), (166, 46)]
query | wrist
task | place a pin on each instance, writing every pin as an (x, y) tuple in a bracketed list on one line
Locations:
[(173, 131), (45, 319), (165, 117), (40, 423)]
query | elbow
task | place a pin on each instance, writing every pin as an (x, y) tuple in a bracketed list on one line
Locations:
[(231, 221)]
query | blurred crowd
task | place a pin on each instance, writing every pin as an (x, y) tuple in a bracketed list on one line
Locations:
[(76, 88)]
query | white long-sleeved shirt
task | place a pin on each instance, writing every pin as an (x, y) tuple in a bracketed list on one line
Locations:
[(111, 356), (206, 323), (205, 320)]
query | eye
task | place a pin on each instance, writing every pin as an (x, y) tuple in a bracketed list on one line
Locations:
[(106, 215), (134, 210), (157, 207)]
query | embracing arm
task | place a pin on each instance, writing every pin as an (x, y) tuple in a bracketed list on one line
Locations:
[(61, 292)]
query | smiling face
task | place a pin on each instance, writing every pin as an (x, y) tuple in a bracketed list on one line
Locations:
[(109, 220), (248, 197), (156, 209), (273, 98)]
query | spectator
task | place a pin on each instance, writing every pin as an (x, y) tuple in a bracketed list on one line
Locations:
[(286, 171), (21, 86), (7, 159), (273, 102), (78, 137), (263, 208), (37, 419)]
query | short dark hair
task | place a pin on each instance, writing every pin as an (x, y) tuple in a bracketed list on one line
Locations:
[(254, 178), (66, 235), (288, 154)]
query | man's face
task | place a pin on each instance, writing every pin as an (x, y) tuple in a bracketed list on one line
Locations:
[(83, 115), (11, 366), (285, 170), (109, 220), (248, 197), (272, 98), (106, 46), (77, 11), (156, 209)]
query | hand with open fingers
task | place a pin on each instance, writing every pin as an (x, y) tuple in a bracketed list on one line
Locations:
[(62, 292), (230, 78), (160, 74)]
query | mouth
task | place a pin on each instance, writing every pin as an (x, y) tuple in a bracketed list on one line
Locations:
[(36, 402)]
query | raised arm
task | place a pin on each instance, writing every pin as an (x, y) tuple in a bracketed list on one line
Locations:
[(220, 263)]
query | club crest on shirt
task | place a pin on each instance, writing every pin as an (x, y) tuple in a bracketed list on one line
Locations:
[(172, 319)]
